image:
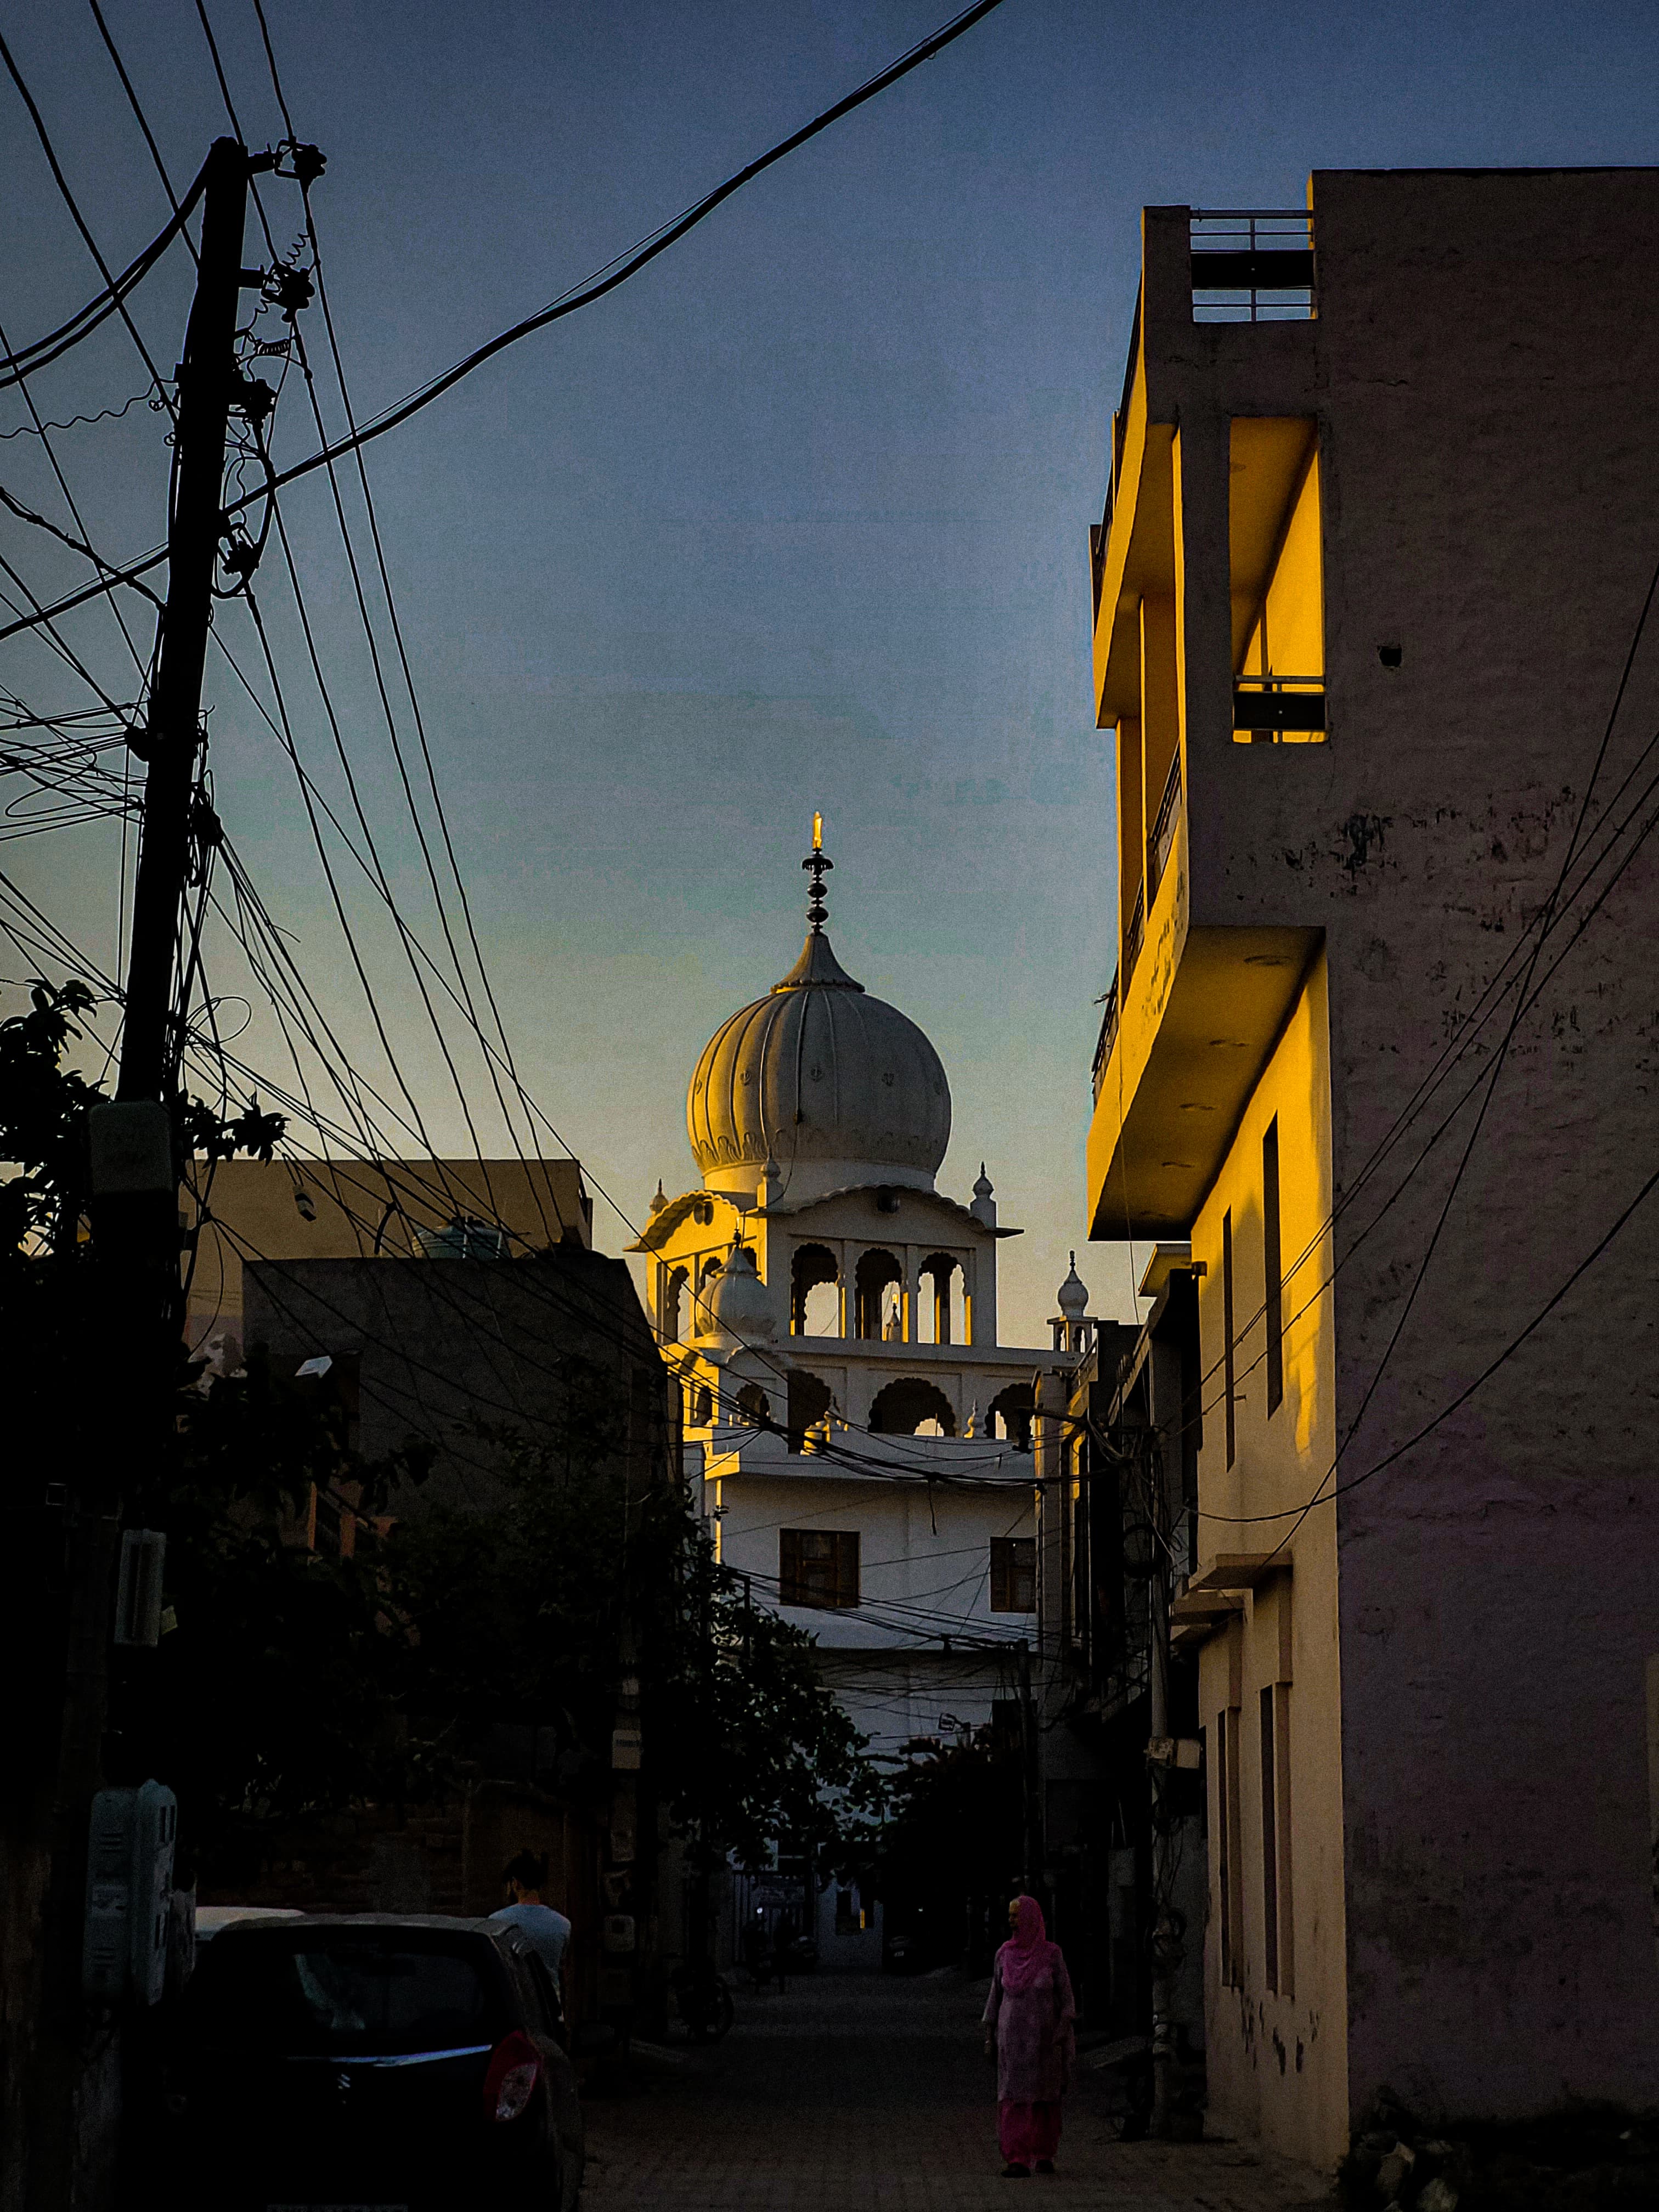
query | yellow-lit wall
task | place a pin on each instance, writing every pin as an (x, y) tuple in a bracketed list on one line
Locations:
[(1288, 638), (1278, 2062)]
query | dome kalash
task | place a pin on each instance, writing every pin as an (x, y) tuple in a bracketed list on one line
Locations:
[(833, 1085)]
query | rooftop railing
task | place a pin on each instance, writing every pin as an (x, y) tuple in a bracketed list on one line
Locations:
[(1252, 266)]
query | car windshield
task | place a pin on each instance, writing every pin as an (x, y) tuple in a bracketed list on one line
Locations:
[(320, 1994)]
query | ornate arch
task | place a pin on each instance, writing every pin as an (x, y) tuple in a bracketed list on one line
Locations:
[(903, 1405)]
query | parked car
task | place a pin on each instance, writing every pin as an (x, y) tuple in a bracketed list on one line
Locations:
[(397, 2063), (210, 1919)]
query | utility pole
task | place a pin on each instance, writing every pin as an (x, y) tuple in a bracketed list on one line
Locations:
[(73, 2057), (208, 378)]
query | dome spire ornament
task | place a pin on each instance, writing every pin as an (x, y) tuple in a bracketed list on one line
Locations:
[(817, 912)]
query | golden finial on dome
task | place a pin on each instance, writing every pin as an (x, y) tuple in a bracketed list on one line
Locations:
[(817, 912)]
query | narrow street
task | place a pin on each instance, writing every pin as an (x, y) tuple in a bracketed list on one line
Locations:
[(854, 2092)]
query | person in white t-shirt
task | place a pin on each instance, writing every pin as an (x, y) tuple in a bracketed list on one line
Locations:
[(550, 1931)]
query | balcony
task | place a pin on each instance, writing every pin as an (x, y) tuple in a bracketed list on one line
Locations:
[(1190, 1025), (1252, 266), (1162, 842), (1134, 935), (1276, 710), (1108, 1038)]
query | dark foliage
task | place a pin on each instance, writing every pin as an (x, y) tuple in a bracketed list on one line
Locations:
[(541, 1608), (276, 1688)]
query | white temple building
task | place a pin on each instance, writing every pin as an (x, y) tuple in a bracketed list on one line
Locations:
[(860, 1440)]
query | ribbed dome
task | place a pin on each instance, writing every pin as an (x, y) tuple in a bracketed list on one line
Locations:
[(819, 1072)]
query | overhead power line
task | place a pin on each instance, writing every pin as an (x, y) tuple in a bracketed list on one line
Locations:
[(606, 282), (113, 283), (87, 319)]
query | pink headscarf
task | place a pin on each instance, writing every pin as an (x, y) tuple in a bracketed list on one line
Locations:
[(1027, 1954)]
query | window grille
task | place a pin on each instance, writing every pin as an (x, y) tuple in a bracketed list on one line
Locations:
[(818, 1567), (1013, 1574)]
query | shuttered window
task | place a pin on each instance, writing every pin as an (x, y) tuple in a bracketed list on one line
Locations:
[(1013, 1574), (819, 1567)]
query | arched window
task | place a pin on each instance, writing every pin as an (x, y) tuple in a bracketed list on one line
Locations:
[(754, 1404), (701, 1406), (673, 1290), (809, 1402), (814, 1291), (1008, 1416), (878, 1286), (910, 1408), (939, 1315)]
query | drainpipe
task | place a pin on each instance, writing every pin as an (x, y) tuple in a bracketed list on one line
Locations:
[(1163, 1869)]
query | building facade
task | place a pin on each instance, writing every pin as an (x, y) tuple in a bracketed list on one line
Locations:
[(858, 1437), (237, 1211), (431, 1333), (1369, 598)]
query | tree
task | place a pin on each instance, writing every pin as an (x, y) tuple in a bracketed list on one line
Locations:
[(267, 1697), (276, 1689), (537, 1608)]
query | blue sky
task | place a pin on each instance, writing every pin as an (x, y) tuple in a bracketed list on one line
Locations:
[(797, 518)]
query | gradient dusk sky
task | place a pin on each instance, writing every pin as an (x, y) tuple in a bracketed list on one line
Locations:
[(797, 518)]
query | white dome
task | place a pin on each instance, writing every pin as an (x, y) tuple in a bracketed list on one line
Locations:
[(817, 1073), (1072, 1294), (737, 1301)]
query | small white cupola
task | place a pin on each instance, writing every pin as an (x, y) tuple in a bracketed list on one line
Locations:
[(736, 1306), (984, 1207), (1073, 1326)]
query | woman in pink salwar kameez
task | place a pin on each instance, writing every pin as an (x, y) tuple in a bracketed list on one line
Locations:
[(1028, 2018)]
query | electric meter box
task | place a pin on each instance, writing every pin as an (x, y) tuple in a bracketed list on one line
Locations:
[(128, 1894)]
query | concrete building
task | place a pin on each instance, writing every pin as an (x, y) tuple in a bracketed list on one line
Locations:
[(858, 1435), (1369, 598), (1123, 1842), (459, 1350), (364, 1209)]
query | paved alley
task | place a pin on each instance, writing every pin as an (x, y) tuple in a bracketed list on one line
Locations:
[(872, 2093)]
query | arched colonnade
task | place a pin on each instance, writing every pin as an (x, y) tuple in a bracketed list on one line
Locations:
[(895, 1293)]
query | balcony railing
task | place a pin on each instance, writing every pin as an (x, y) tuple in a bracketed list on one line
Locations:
[(1266, 708), (1163, 830), (1252, 266), (1134, 932), (1098, 534), (1108, 1038)]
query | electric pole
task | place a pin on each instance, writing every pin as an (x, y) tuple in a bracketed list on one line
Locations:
[(208, 378), (67, 2051)]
